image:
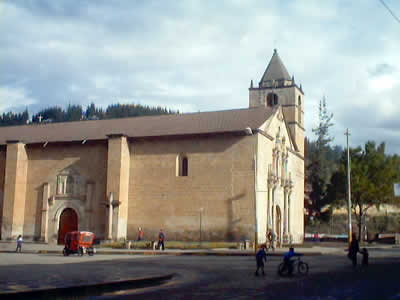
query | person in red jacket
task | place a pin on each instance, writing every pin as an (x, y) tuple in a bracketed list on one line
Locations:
[(140, 234)]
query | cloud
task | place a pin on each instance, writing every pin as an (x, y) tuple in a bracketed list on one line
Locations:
[(14, 99), (201, 55), (382, 69)]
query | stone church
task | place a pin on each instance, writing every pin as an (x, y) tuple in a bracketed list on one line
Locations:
[(217, 176)]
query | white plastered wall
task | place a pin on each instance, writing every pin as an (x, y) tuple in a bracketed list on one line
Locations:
[(264, 156), (265, 145), (296, 167)]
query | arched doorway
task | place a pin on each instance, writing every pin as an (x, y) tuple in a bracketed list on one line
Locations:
[(278, 226), (68, 222)]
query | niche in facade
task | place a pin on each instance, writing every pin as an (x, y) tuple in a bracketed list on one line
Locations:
[(70, 182)]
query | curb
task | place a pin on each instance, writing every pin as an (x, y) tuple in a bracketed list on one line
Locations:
[(96, 289), (164, 253)]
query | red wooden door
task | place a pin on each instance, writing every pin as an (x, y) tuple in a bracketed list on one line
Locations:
[(68, 222)]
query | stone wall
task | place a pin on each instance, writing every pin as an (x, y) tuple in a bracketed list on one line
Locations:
[(297, 198), (45, 163), (220, 180)]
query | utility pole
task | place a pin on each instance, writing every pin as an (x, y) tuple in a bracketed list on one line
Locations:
[(347, 133)]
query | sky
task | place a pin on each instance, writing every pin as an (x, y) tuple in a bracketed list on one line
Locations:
[(200, 55)]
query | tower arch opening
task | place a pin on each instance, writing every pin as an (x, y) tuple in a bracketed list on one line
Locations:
[(272, 99)]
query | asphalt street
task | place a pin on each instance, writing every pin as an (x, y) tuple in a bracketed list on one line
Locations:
[(204, 277), (330, 277)]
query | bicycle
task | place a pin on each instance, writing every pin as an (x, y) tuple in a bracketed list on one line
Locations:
[(297, 264)]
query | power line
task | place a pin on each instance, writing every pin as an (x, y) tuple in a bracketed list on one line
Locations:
[(390, 11)]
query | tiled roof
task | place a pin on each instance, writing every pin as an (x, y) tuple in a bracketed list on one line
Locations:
[(150, 126)]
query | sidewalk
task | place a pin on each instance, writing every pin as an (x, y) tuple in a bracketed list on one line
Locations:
[(315, 249), (309, 249)]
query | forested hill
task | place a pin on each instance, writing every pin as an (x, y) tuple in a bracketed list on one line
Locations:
[(77, 112)]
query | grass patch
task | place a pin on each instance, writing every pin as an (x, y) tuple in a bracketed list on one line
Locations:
[(172, 245), (202, 245), (114, 245)]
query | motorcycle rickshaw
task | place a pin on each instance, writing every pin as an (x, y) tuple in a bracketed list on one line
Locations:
[(79, 242)]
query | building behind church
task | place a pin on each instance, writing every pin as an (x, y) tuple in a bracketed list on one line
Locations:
[(238, 172)]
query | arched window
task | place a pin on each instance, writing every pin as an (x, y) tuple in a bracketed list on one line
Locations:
[(182, 165), (272, 99)]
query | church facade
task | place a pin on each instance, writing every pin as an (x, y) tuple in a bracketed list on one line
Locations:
[(218, 176)]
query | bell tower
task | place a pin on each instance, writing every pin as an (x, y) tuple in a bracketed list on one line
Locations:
[(276, 87)]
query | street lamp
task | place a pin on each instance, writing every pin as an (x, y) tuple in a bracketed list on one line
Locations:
[(201, 211)]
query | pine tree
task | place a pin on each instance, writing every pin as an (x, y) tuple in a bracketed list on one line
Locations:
[(318, 166)]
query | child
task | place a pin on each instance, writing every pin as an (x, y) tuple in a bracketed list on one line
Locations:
[(19, 243), (365, 255), (288, 261), (261, 256)]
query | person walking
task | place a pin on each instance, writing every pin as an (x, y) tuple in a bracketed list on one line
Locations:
[(270, 238), (140, 234), (354, 248), (161, 240), (20, 240), (365, 255), (274, 240), (261, 257)]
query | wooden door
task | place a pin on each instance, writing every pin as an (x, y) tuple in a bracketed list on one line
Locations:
[(68, 222)]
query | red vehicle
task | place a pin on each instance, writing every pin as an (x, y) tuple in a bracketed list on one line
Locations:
[(79, 242)]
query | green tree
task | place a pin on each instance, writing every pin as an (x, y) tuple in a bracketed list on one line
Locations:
[(372, 176), (11, 119), (320, 160), (74, 113), (53, 114)]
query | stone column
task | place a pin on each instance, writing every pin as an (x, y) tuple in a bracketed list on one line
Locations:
[(273, 211), (14, 190), (285, 218), (118, 181), (109, 207), (269, 222), (286, 212), (45, 213), (289, 214)]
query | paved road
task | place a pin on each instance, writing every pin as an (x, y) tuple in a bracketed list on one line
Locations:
[(202, 277), (331, 277), (22, 272)]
